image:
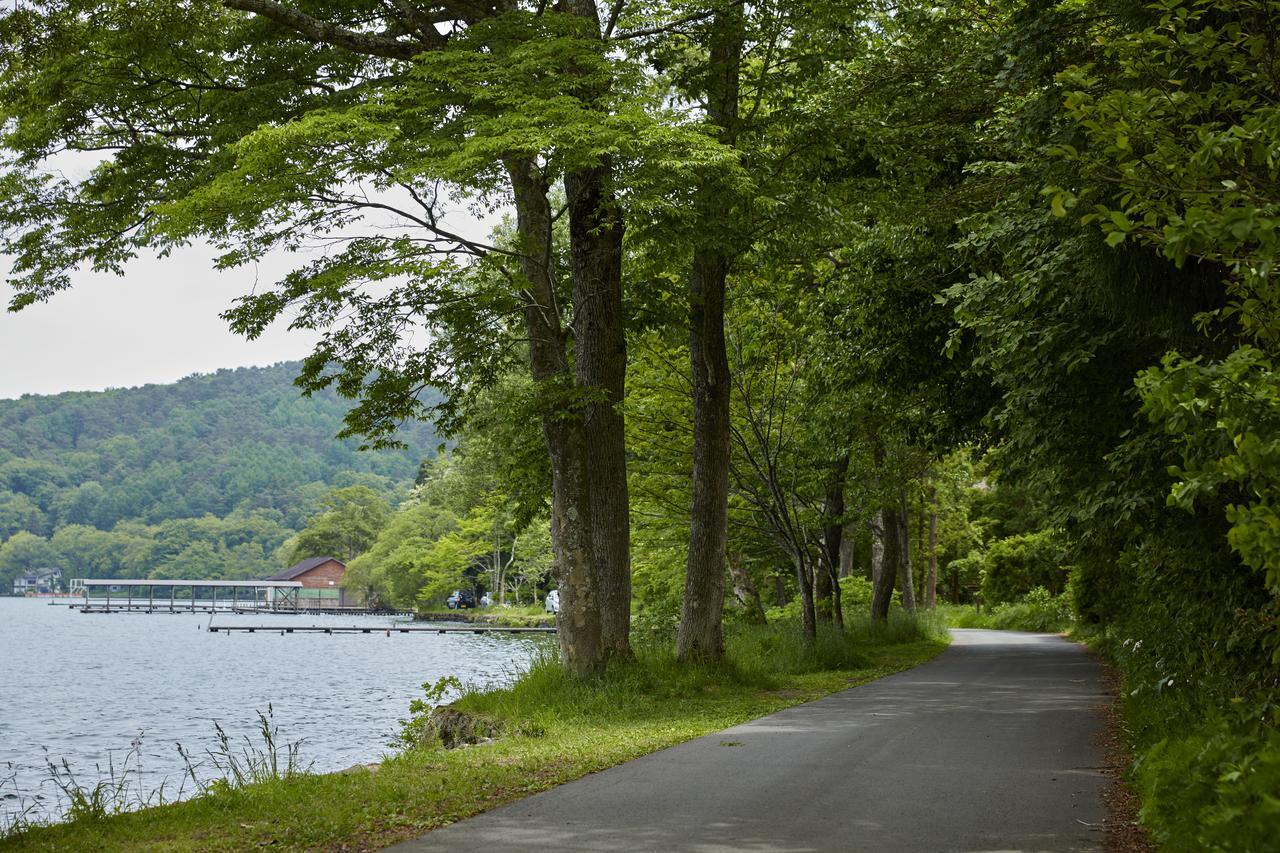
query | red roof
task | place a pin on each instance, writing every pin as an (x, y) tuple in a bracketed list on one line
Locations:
[(303, 567)]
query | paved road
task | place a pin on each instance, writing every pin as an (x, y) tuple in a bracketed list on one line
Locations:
[(990, 746)]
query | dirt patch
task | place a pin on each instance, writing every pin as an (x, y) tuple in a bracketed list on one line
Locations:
[(1123, 832)]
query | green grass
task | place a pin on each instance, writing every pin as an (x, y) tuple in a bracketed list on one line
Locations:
[(556, 729), (525, 616), (1037, 611)]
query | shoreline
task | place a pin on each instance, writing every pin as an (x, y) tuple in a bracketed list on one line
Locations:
[(488, 616), (548, 730)]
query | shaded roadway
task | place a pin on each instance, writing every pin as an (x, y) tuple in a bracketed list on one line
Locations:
[(992, 745)]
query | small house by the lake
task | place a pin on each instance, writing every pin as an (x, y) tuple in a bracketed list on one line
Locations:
[(321, 579), (38, 581)]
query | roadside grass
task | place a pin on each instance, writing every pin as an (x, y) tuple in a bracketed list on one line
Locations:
[(554, 729)]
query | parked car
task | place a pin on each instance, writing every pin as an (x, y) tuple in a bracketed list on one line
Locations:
[(553, 601), (460, 599)]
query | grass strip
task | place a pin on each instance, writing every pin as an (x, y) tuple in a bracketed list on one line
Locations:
[(530, 616), (555, 730)]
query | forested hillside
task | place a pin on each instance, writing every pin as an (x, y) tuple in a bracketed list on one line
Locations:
[(209, 475)]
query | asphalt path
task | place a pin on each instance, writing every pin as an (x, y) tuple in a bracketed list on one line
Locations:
[(991, 746)]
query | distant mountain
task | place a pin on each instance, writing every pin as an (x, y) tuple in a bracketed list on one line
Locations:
[(233, 443)]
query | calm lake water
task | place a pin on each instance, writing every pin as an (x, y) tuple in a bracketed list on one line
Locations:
[(87, 687)]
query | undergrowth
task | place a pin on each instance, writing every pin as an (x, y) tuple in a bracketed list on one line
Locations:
[(1207, 745), (1036, 611)]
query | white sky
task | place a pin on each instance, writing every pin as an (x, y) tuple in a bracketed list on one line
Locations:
[(157, 324)]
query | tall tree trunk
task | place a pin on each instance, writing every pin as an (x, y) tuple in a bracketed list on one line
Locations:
[(876, 528), (600, 362), (822, 594), (921, 517), (581, 650), (885, 557), (745, 592), (905, 580), (931, 582), (702, 611)]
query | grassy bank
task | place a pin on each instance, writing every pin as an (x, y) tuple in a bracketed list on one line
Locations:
[(529, 616), (552, 730), (1206, 743)]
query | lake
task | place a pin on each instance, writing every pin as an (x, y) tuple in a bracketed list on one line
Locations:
[(88, 687)]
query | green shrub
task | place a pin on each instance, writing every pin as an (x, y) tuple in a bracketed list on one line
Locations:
[(1215, 789), (1014, 566), (1037, 611), (855, 601)]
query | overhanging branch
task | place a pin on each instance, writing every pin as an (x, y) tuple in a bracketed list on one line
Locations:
[(322, 32)]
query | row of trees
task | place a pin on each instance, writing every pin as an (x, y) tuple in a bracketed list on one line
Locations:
[(242, 545), (588, 122), (768, 266), (251, 544)]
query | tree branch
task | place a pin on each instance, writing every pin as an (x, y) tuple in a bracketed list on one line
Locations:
[(322, 32)]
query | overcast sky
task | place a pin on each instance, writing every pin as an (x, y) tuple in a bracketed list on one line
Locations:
[(159, 323)]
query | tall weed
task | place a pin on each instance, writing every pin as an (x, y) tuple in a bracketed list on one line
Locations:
[(121, 787)]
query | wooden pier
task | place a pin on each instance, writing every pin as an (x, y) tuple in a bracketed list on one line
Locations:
[(382, 629)]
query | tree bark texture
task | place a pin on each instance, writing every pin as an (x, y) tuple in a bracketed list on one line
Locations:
[(701, 633), (600, 366), (822, 594), (702, 611), (885, 557), (600, 360), (905, 581), (847, 545), (745, 592), (581, 649), (876, 527)]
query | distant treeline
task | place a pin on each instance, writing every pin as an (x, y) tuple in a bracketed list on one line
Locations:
[(207, 476)]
